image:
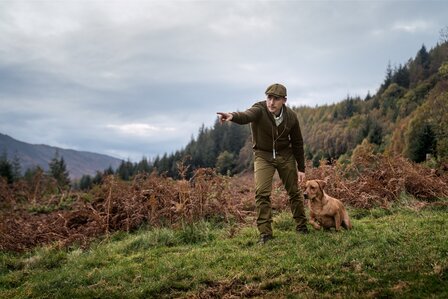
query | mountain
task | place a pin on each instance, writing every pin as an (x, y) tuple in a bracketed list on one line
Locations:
[(78, 163)]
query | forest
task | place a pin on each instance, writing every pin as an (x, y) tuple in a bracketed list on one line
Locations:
[(407, 116)]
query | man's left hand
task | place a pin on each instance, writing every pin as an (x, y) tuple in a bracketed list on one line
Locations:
[(301, 176)]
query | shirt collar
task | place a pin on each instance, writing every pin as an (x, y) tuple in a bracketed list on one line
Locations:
[(281, 114)]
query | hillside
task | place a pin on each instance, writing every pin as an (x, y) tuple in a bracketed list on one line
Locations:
[(407, 116), (32, 155)]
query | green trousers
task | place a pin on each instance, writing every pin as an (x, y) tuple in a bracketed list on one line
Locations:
[(264, 173)]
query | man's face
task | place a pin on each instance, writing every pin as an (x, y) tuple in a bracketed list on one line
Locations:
[(275, 104)]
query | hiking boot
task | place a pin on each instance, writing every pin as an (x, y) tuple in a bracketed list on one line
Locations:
[(303, 230), (264, 239)]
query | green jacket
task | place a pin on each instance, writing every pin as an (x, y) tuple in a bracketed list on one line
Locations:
[(286, 138)]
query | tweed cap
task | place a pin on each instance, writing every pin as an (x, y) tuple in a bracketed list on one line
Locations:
[(276, 89)]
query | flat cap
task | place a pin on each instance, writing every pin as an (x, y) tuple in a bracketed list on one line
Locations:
[(277, 90)]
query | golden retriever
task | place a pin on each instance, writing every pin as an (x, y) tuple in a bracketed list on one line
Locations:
[(325, 211)]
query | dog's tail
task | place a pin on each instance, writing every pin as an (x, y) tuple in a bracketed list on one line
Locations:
[(346, 223)]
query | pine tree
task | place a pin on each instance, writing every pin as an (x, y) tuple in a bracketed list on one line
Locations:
[(387, 80), (368, 96), (98, 178), (401, 76), (126, 170), (108, 171), (16, 168), (58, 170), (143, 166), (419, 68), (31, 173), (6, 170), (421, 141), (85, 183)]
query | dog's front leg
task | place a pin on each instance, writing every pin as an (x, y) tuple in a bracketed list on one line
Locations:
[(313, 219), (314, 223)]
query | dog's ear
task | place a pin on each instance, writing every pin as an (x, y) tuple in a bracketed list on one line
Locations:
[(321, 184)]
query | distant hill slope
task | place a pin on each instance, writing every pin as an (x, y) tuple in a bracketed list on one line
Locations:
[(407, 116), (78, 162)]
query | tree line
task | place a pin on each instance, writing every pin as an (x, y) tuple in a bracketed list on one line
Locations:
[(408, 116), (57, 170), (221, 147)]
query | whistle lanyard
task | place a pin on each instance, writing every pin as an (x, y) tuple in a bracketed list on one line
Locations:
[(274, 140)]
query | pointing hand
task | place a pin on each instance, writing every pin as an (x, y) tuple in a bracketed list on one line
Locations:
[(223, 116)]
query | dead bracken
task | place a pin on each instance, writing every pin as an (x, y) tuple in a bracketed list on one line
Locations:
[(37, 213)]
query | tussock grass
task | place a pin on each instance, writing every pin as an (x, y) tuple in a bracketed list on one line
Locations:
[(398, 252)]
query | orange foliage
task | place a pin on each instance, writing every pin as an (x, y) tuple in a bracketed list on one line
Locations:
[(369, 181)]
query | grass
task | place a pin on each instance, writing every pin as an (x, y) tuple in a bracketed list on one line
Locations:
[(398, 253)]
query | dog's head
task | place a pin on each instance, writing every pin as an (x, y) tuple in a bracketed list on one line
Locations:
[(314, 189)]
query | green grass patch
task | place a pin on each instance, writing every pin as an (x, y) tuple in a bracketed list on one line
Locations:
[(398, 253)]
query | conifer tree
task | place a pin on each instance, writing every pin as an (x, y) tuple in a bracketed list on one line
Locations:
[(388, 79), (143, 166), (58, 170), (16, 168), (98, 178), (421, 140), (401, 76), (31, 173), (85, 183), (6, 170), (108, 171), (419, 68), (126, 170)]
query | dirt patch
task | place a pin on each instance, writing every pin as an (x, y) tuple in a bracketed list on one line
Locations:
[(229, 289)]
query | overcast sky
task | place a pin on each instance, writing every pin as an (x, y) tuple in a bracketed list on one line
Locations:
[(139, 78)]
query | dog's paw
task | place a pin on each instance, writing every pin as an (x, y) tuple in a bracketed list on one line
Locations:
[(316, 226)]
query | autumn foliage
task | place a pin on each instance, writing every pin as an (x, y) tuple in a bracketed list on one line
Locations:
[(38, 213), (377, 180), (117, 205)]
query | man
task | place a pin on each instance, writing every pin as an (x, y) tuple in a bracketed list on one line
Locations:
[(278, 145)]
